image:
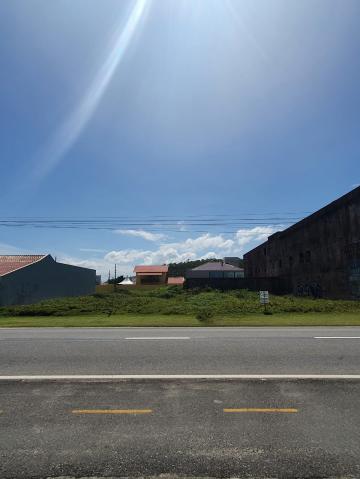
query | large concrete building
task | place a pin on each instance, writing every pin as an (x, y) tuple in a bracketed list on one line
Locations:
[(319, 256), (27, 279)]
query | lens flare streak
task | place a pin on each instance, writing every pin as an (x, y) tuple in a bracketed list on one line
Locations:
[(68, 133)]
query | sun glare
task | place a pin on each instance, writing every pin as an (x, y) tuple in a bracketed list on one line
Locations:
[(65, 137)]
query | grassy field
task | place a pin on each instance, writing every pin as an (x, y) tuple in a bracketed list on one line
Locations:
[(295, 319), (173, 306)]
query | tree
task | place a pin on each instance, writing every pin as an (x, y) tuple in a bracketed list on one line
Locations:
[(116, 281)]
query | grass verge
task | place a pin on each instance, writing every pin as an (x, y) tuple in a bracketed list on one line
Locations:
[(283, 319)]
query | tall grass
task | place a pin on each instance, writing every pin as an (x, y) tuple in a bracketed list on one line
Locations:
[(173, 300)]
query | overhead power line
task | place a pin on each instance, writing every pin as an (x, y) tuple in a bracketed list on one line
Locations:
[(228, 223)]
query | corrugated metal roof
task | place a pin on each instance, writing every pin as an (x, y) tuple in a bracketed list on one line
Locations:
[(151, 269), (11, 263)]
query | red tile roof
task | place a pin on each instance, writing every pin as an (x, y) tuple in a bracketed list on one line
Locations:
[(176, 280), (10, 263), (151, 269)]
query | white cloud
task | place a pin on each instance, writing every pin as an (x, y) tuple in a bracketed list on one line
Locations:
[(93, 250), (209, 255), (126, 256), (146, 235), (258, 234), (206, 241), (8, 249)]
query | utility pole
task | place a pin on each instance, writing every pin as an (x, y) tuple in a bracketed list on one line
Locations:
[(115, 279)]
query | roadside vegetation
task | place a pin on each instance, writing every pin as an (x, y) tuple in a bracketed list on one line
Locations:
[(174, 306), (116, 320)]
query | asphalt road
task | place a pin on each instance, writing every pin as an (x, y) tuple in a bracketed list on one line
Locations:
[(55, 429), (42, 351)]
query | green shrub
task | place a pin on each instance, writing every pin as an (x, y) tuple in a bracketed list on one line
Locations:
[(100, 295), (175, 300), (124, 291), (204, 314)]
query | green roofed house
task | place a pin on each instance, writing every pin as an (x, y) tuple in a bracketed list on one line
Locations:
[(27, 279)]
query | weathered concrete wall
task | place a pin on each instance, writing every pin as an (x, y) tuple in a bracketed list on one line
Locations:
[(319, 256), (43, 280)]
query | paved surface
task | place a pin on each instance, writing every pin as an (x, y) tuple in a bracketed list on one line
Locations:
[(187, 431), (180, 351)]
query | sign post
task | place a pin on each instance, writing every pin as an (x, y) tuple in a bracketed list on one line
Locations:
[(264, 299)]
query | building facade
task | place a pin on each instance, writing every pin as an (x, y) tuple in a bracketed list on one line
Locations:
[(151, 275), (27, 279), (319, 256), (234, 260), (215, 274), (176, 281)]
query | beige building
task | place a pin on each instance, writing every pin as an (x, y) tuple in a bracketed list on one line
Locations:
[(176, 281), (151, 275)]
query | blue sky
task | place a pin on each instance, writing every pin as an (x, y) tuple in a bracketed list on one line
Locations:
[(149, 108)]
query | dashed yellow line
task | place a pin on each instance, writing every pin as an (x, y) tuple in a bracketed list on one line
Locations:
[(112, 411), (261, 410)]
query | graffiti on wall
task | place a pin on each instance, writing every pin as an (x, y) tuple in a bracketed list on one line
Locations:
[(312, 289), (354, 279)]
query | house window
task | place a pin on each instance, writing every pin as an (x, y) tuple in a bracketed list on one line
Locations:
[(216, 274), (229, 274), (239, 274), (150, 279)]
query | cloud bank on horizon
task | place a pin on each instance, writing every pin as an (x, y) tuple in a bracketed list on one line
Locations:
[(202, 247)]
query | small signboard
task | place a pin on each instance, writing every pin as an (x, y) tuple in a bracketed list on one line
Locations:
[(264, 297)]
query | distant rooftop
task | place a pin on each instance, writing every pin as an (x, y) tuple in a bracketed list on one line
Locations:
[(10, 263), (151, 269), (216, 266)]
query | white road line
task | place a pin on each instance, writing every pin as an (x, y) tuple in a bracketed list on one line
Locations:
[(70, 377), (336, 337), (156, 338)]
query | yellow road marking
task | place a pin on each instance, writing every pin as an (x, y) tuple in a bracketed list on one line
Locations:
[(112, 411), (264, 410)]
